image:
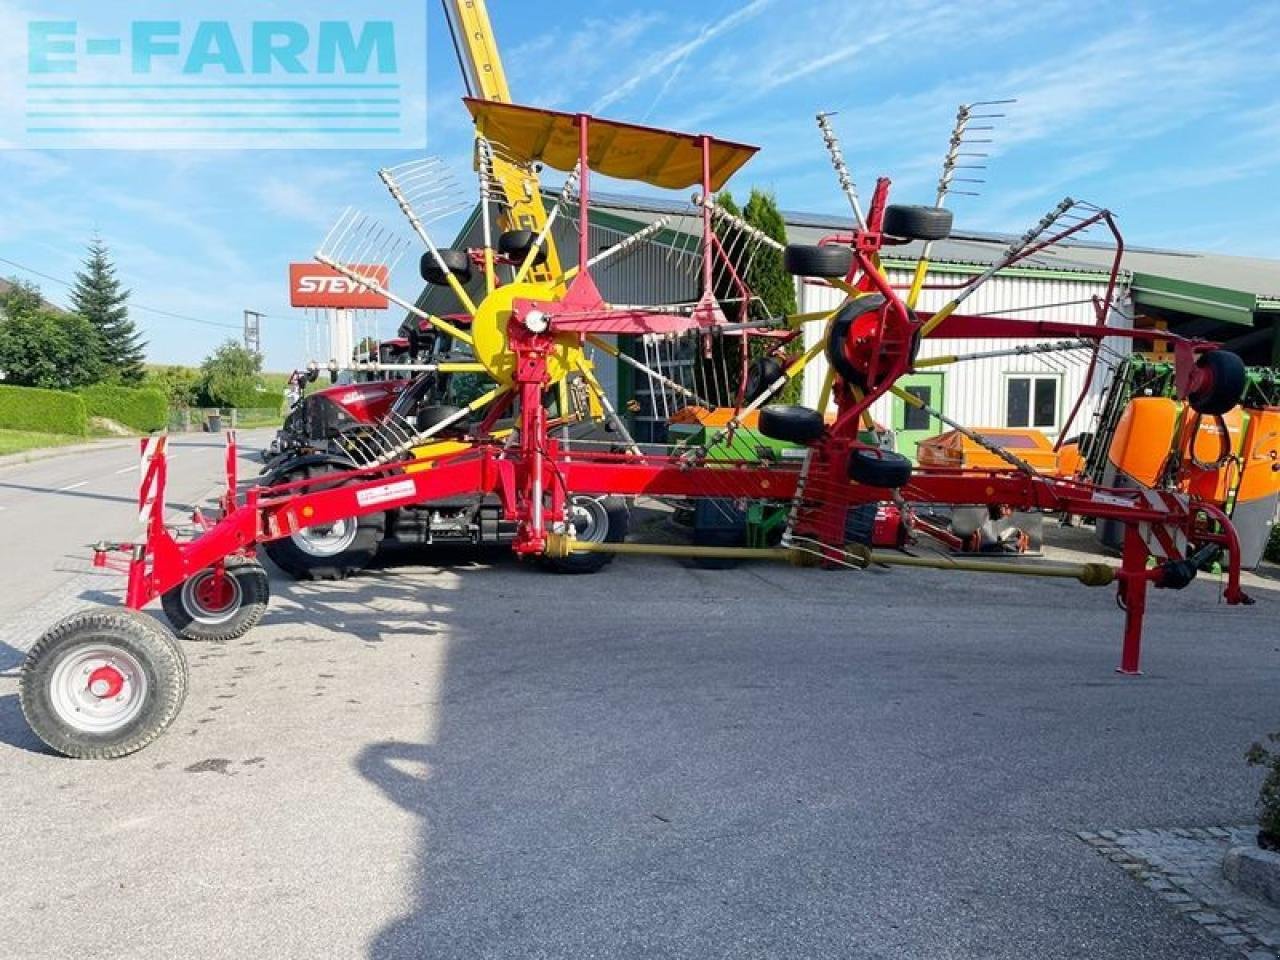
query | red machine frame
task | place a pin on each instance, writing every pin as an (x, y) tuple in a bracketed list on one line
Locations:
[(534, 478)]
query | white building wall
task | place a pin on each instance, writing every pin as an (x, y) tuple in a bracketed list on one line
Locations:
[(974, 390)]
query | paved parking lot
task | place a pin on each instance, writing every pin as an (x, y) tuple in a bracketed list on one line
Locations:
[(657, 761)]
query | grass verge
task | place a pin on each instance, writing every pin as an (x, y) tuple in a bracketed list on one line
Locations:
[(18, 441)]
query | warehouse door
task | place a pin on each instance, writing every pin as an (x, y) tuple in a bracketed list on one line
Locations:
[(911, 423)]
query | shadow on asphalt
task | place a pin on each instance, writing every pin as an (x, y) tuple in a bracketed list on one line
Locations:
[(14, 731)]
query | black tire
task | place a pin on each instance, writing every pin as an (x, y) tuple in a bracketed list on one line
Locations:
[(879, 468), (457, 261), (428, 417), (790, 424), (917, 223), (334, 553), (196, 616), (761, 374), (610, 511), (839, 333), (140, 659), (516, 245), (807, 260), (1224, 384)]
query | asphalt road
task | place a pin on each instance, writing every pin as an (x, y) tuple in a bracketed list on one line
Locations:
[(490, 761)]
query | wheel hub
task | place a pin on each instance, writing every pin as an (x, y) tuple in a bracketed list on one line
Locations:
[(98, 688), (106, 682), (215, 592), (211, 598)]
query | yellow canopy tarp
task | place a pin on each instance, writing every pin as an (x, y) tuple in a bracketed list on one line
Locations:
[(627, 151)]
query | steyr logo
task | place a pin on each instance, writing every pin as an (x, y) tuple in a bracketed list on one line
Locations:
[(317, 286)]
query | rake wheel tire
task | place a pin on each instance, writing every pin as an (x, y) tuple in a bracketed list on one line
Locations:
[(809, 260), (516, 244), (457, 262), (49, 688), (879, 468), (1226, 384), (917, 223), (250, 594), (791, 424), (761, 374), (611, 511), (311, 557)]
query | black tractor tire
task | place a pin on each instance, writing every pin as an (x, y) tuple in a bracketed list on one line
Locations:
[(810, 260), (791, 424), (428, 417), (139, 670), (344, 549), (599, 519), (917, 223), (762, 373), (879, 468), (1226, 383), (457, 262), (516, 244), (194, 615)]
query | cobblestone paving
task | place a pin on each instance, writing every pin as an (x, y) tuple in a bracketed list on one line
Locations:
[(1183, 867)]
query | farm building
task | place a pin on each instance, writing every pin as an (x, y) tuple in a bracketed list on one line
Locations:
[(1231, 300)]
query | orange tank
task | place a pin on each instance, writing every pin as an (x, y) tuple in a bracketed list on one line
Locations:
[(954, 449), (1145, 437)]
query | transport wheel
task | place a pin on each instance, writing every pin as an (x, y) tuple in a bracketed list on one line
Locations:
[(879, 468), (595, 520), (516, 244), (806, 260), (457, 261), (332, 551), (102, 683), (763, 372), (791, 424), (1219, 383), (212, 608), (917, 223)]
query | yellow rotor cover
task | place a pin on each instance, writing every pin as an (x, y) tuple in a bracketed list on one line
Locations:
[(489, 330)]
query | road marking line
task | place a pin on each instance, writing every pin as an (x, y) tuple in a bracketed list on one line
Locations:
[(74, 486), (131, 469)]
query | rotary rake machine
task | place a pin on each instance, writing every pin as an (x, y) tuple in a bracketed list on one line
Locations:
[(105, 682)]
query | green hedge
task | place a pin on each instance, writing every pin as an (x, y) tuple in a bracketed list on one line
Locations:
[(48, 411), (144, 409), (1273, 545)]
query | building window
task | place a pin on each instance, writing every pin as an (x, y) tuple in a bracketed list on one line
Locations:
[(913, 418), (1031, 401)]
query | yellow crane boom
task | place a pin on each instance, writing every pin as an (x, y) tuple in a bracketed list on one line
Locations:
[(485, 79)]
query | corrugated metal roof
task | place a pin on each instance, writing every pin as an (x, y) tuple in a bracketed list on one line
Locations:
[(1254, 275)]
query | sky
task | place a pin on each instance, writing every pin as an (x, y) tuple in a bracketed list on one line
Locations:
[(1167, 113)]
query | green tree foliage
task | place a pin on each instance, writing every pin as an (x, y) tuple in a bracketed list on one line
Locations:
[(761, 269), (229, 377), (98, 297), (181, 385), (41, 347)]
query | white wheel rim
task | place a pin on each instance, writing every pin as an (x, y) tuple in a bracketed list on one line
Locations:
[(202, 612), (590, 520), (98, 688), (326, 541)]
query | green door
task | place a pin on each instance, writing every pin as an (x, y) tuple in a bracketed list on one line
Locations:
[(911, 423)]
